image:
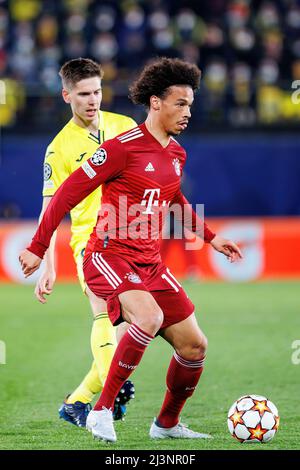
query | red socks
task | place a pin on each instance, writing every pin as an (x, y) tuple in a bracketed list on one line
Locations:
[(182, 379), (127, 356)]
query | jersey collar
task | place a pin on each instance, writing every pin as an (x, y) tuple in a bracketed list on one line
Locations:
[(86, 132), (152, 138)]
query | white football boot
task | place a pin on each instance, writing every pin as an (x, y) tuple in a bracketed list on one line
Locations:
[(180, 431), (101, 425)]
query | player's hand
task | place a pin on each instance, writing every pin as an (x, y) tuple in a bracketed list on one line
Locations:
[(44, 285), (227, 247), (29, 262)]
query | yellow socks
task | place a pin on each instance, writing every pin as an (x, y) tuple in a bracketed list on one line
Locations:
[(103, 344), (89, 386)]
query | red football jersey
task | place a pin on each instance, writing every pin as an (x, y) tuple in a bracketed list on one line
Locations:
[(140, 179)]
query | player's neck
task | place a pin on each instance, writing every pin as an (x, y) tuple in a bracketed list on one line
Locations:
[(91, 126), (157, 131)]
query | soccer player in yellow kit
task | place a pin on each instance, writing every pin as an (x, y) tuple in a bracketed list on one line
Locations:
[(75, 143)]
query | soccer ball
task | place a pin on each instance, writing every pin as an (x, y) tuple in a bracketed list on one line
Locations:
[(253, 418)]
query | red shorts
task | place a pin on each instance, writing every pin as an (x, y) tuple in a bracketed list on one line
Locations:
[(109, 275)]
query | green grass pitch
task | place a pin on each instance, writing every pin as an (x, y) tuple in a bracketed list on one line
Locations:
[(250, 328)]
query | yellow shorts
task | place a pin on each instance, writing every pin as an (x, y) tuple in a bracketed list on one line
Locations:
[(78, 256)]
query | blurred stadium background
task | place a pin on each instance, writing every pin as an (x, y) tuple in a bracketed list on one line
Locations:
[(243, 141), (243, 145)]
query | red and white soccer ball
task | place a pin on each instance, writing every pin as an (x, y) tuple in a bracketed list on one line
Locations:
[(253, 418)]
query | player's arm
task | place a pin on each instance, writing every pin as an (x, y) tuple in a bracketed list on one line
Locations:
[(56, 170), (196, 225), (45, 283), (107, 163)]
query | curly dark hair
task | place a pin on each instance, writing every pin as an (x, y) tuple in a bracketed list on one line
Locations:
[(78, 69), (158, 76)]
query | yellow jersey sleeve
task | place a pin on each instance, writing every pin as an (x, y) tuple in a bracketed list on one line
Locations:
[(56, 169), (114, 124), (129, 123)]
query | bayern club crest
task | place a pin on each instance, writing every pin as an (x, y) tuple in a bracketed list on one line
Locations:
[(177, 166), (133, 277), (99, 157)]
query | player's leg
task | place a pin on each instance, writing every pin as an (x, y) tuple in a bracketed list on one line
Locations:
[(145, 317), (77, 405), (92, 383), (103, 344), (104, 338), (183, 375)]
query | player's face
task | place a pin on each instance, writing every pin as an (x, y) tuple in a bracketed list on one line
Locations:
[(175, 109), (85, 98)]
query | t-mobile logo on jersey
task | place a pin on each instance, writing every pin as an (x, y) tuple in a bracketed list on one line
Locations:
[(151, 199)]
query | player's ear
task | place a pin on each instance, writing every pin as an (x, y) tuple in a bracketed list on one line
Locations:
[(155, 103), (66, 96)]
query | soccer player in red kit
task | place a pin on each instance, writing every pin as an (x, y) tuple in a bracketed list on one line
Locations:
[(140, 171)]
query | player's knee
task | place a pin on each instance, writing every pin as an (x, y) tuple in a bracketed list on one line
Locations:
[(121, 330), (203, 345), (194, 351), (152, 320)]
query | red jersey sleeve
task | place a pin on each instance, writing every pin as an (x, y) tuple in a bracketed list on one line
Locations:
[(191, 220), (105, 164)]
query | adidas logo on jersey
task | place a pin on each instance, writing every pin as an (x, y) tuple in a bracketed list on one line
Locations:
[(149, 167)]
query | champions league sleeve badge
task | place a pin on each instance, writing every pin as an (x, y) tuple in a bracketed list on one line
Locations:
[(47, 171), (99, 157)]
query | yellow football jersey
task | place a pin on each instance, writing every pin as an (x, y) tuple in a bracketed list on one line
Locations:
[(71, 147)]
